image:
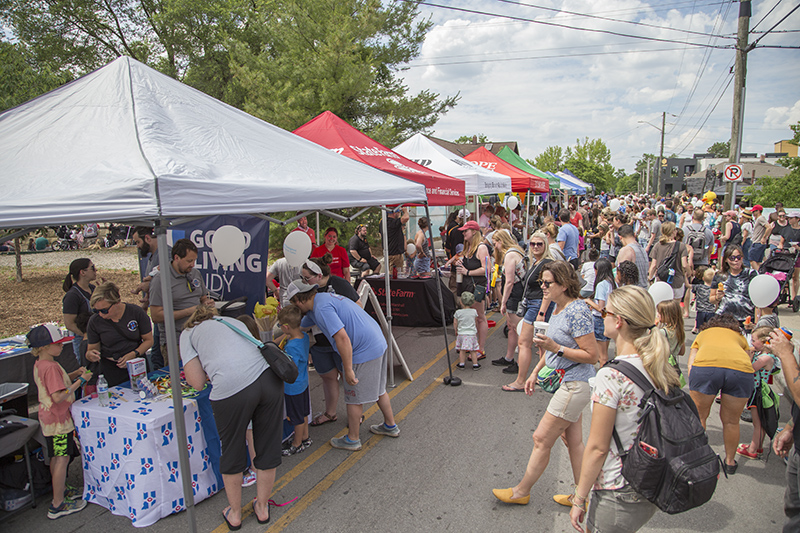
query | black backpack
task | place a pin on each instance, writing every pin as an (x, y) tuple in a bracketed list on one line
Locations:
[(683, 472), (696, 238), (736, 234)]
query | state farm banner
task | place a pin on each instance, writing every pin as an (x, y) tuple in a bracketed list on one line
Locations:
[(247, 276)]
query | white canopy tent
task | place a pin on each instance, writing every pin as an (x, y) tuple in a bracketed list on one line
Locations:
[(427, 153), (127, 143)]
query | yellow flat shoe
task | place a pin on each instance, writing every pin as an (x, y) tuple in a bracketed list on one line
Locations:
[(504, 495), (563, 499)]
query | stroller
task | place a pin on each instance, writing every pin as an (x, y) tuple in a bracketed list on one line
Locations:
[(780, 266)]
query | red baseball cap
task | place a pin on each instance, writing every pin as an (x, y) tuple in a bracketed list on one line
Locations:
[(470, 225), (757, 208)]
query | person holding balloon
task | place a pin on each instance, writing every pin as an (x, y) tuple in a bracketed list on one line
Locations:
[(731, 286)]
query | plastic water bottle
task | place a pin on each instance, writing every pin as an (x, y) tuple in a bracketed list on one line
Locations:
[(102, 391)]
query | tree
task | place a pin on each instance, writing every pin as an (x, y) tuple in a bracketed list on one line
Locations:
[(769, 191), (551, 160), (591, 162), (340, 56), (281, 60), (21, 79), (627, 183), (467, 139), (720, 149)]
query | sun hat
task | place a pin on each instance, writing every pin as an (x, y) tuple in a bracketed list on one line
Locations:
[(46, 334)]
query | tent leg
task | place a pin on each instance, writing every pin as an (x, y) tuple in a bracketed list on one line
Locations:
[(175, 377), (448, 380), (386, 275)]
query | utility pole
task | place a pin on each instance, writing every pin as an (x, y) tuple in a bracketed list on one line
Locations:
[(661, 164), (740, 76)]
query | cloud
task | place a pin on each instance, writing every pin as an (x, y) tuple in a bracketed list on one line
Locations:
[(545, 86)]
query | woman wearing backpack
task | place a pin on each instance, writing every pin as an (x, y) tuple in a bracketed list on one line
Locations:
[(629, 319), (508, 254), (663, 252)]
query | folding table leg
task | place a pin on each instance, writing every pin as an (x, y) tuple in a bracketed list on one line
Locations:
[(30, 475)]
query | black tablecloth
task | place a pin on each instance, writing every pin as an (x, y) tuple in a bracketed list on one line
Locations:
[(415, 302)]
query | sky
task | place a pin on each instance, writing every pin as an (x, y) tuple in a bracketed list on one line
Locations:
[(543, 85)]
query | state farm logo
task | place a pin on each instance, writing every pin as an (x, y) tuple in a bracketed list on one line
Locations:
[(400, 166)]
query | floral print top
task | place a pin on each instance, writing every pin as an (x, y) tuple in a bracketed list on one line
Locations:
[(613, 389)]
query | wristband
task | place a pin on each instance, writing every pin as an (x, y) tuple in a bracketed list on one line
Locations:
[(82, 380), (136, 351)]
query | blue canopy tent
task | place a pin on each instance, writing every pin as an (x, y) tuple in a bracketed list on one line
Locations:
[(574, 179), (572, 182)]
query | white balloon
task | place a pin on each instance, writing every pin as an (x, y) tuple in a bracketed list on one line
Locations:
[(411, 249), (296, 248), (763, 290), (614, 204), (512, 202), (661, 291), (228, 244)]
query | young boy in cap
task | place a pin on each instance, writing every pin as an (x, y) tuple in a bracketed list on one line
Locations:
[(56, 394)]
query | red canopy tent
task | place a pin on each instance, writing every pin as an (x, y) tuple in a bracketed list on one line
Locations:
[(333, 133), (521, 181)]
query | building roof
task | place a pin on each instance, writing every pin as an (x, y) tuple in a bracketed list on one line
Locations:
[(751, 170), (464, 149)]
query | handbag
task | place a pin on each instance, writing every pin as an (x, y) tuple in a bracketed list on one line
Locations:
[(549, 379), (278, 360), (663, 272)]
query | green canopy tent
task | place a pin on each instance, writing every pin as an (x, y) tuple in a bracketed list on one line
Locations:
[(511, 157)]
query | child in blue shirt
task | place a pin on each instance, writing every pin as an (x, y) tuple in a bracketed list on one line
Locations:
[(296, 395)]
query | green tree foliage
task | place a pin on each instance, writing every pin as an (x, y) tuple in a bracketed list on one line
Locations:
[(282, 60), (769, 191), (467, 139), (342, 56), (627, 183), (21, 79), (591, 162), (720, 149), (551, 160)]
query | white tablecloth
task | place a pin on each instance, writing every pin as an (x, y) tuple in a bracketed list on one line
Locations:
[(130, 456)]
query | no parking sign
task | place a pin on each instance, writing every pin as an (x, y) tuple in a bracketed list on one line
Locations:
[(733, 172)]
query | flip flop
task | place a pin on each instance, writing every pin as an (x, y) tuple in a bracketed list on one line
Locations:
[(509, 388), (230, 526), (322, 418), (255, 513)]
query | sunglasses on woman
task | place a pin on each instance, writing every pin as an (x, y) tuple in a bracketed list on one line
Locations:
[(545, 284), (536, 244)]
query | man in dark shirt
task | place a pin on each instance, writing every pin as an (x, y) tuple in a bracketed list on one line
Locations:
[(395, 222), (361, 259)]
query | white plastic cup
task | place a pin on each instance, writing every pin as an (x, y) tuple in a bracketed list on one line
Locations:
[(540, 328)]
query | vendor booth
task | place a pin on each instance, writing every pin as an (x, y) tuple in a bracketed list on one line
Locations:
[(151, 151)]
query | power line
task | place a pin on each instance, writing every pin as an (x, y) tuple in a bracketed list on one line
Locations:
[(530, 58), (753, 44), (700, 128), (587, 15), (765, 16), (554, 24)]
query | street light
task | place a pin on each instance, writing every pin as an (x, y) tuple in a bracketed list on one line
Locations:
[(661, 156)]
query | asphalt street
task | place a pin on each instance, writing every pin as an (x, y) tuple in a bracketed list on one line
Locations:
[(456, 444)]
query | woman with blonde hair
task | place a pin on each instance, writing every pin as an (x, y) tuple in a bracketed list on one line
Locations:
[(473, 266), (511, 259), (666, 247), (629, 319), (551, 230)]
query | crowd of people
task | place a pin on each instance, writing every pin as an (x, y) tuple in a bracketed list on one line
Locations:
[(577, 282), (581, 280)]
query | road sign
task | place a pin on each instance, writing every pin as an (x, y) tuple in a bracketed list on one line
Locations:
[(734, 172)]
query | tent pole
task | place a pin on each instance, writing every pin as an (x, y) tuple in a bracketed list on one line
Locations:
[(386, 275), (175, 374), (527, 216), (316, 235), (447, 380)]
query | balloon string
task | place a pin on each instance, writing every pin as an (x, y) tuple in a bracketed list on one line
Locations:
[(272, 502)]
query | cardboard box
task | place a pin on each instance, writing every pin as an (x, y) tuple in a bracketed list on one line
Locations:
[(136, 369)]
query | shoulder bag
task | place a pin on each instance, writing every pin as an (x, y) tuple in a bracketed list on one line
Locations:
[(279, 361)]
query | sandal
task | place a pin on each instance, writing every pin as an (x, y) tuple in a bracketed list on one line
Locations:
[(256, 513), (225, 517), (744, 451), (322, 418)]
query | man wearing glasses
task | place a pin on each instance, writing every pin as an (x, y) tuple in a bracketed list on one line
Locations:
[(188, 289)]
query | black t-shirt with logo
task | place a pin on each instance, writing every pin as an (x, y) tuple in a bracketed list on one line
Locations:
[(117, 339)]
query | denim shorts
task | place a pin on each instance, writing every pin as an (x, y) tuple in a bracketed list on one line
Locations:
[(757, 252), (325, 359), (711, 380), (532, 310), (599, 329), (621, 511)]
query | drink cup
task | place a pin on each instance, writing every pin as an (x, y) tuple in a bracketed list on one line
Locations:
[(540, 328)]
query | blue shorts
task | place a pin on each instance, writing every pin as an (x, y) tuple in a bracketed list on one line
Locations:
[(298, 407), (325, 359), (532, 311), (757, 252), (599, 329), (711, 380)]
